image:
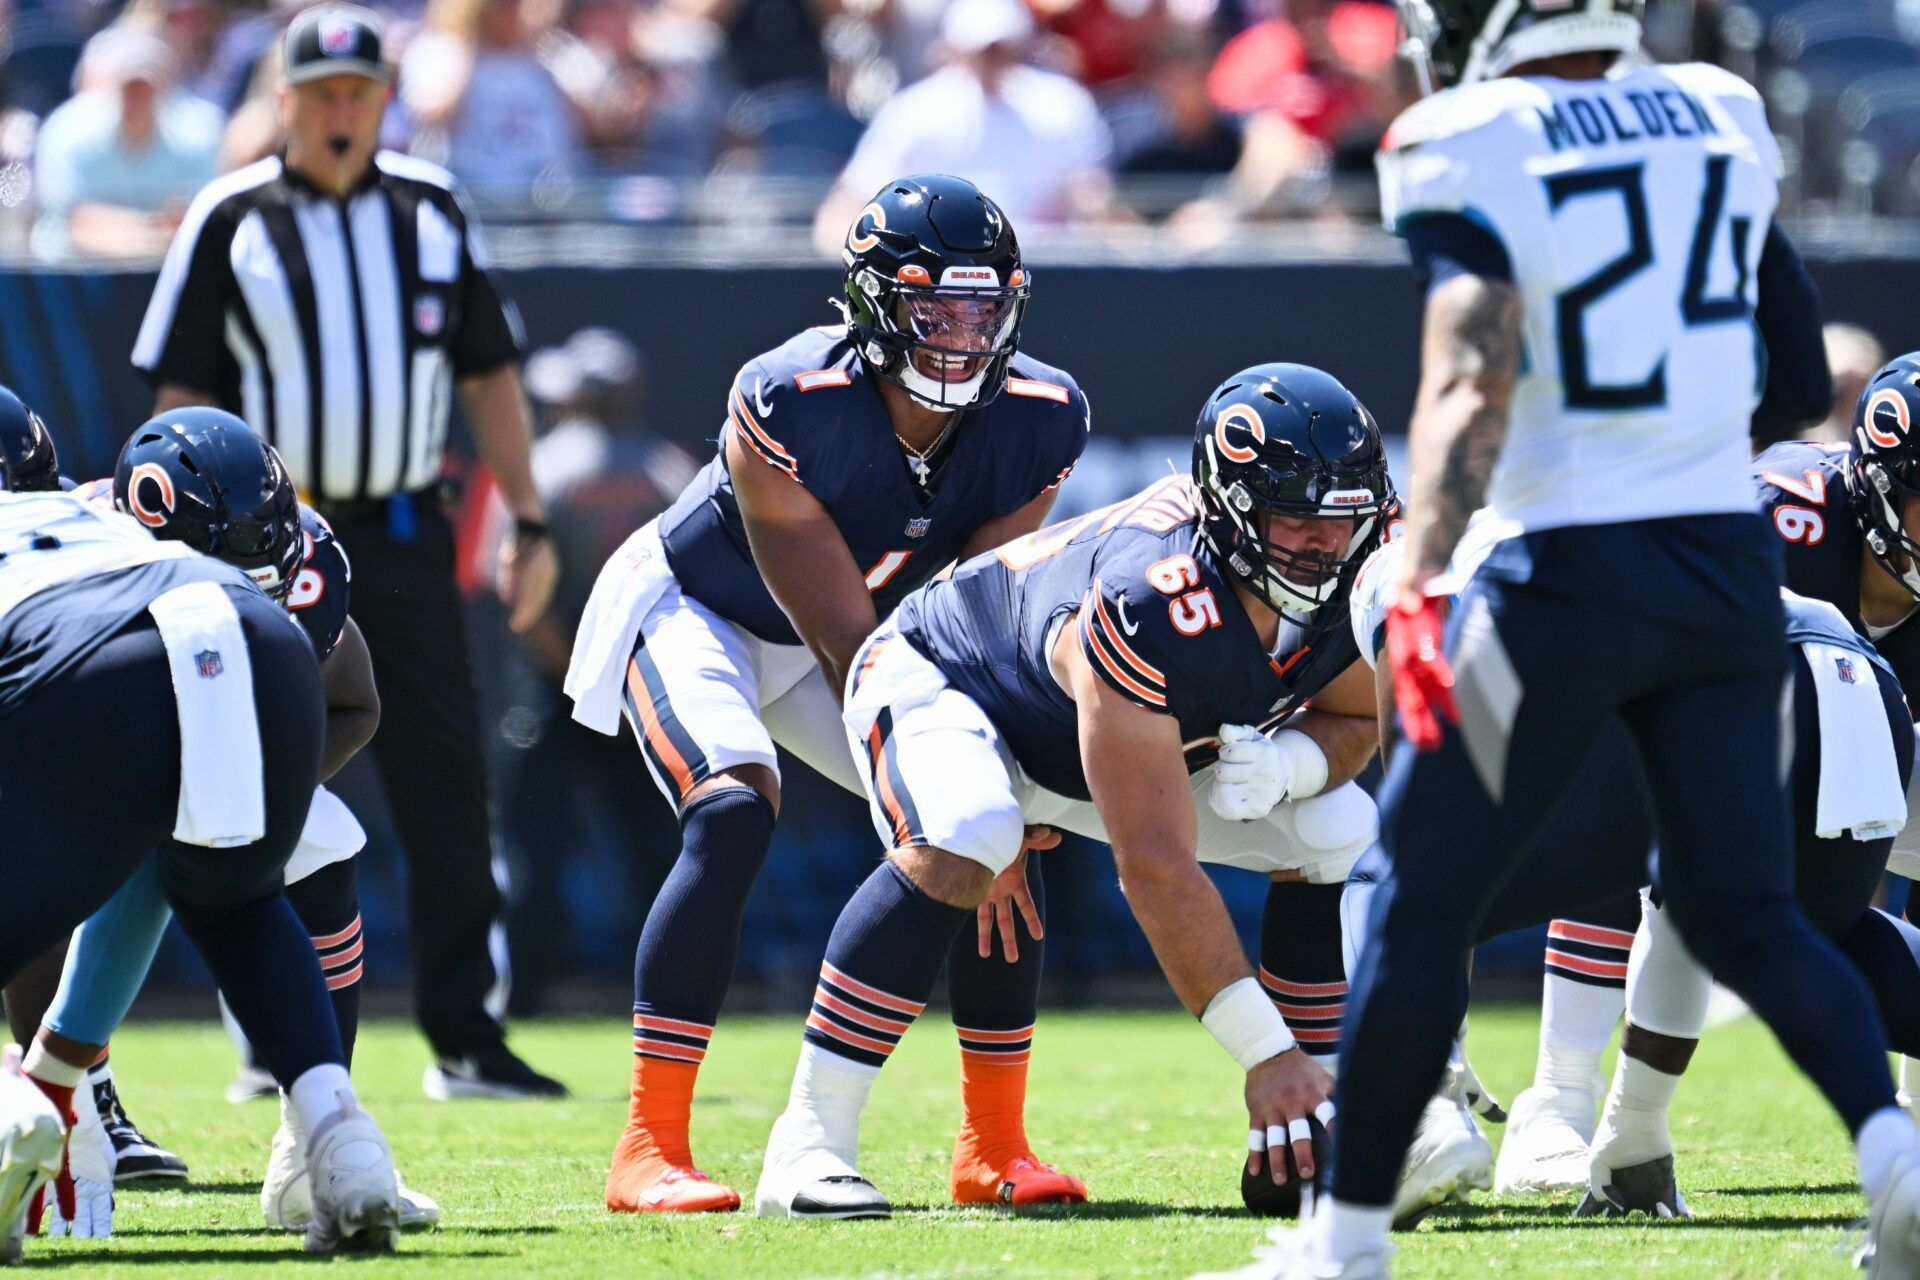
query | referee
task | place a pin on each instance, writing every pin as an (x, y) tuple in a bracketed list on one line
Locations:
[(336, 299)]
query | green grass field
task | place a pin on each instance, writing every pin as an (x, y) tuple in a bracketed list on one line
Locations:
[(1143, 1106)]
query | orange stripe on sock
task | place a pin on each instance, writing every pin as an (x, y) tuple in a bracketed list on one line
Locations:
[(838, 1032), (652, 1023), (995, 1037), (873, 994), (335, 939), (665, 1049), (341, 981), (869, 1020), (1311, 1012), (1573, 931), (1304, 990), (345, 958)]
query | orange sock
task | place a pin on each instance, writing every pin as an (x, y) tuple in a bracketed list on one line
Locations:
[(993, 1131), (655, 1145)]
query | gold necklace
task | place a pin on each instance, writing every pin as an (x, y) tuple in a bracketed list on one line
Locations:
[(921, 471)]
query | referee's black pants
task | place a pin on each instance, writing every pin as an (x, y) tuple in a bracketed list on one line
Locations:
[(428, 750)]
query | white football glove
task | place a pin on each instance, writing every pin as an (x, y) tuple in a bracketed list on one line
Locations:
[(1253, 775), (90, 1164)]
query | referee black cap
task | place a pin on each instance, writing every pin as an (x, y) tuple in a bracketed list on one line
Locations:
[(333, 40)]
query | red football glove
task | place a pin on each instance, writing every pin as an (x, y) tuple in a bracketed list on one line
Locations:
[(1422, 680)]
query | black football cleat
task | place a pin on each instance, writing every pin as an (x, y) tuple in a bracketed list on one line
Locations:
[(136, 1157)]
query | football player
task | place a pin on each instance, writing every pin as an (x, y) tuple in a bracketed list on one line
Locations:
[(202, 477), (34, 463), (858, 459), (1171, 675), (196, 707), (1849, 534), (1611, 218), (1851, 728)]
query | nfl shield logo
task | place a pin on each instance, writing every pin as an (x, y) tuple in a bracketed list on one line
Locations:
[(1847, 674), (337, 36), (209, 663), (918, 526), (429, 313)]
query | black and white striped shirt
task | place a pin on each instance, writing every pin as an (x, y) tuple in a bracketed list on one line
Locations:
[(336, 326)]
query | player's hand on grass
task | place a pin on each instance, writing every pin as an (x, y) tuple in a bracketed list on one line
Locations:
[(82, 1204), (1422, 677), (1009, 894), (1286, 1094), (1253, 775)]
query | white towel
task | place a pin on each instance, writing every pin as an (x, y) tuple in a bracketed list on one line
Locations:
[(632, 582), (332, 834), (1860, 789), (223, 798)]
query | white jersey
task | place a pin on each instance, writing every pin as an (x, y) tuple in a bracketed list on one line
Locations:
[(51, 538), (1633, 210)]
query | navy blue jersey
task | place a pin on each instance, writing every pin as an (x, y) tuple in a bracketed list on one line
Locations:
[(1803, 493), (323, 588), (1155, 617), (810, 408)]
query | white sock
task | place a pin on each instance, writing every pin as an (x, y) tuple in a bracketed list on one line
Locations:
[(1667, 990), (1565, 1066), (42, 1065), (320, 1094), (1343, 1232), (829, 1093), (1576, 1021), (1634, 1125), (1886, 1135)]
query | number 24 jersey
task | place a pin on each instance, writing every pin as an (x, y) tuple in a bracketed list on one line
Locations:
[(1633, 211)]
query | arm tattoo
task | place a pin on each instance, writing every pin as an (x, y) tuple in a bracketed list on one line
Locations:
[(1472, 356)]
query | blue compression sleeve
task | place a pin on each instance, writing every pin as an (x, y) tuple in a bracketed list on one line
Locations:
[(109, 959)]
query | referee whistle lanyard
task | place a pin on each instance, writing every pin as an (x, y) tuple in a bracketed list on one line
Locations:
[(402, 526)]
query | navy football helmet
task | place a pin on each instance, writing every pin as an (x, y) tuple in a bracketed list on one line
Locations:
[(1885, 474), (202, 477), (1467, 40), (935, 290), (28, 446), (1288, 441)]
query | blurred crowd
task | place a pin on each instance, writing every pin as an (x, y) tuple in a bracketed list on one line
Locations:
[(1196, 114)]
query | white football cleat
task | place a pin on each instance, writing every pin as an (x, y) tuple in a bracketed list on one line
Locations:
[(1288, 1255), (286, 1197), (32, 1137), (1549, 1130), (91, 1160), (804, 1177), (1449, 1159), (356, 1194), (1893, 1224)]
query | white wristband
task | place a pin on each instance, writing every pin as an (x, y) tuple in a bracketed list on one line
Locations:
[(1242, 1018), (1308, 760)]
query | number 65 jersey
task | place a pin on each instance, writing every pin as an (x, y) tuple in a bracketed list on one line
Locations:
[(1154, 615), (1632, 212)]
